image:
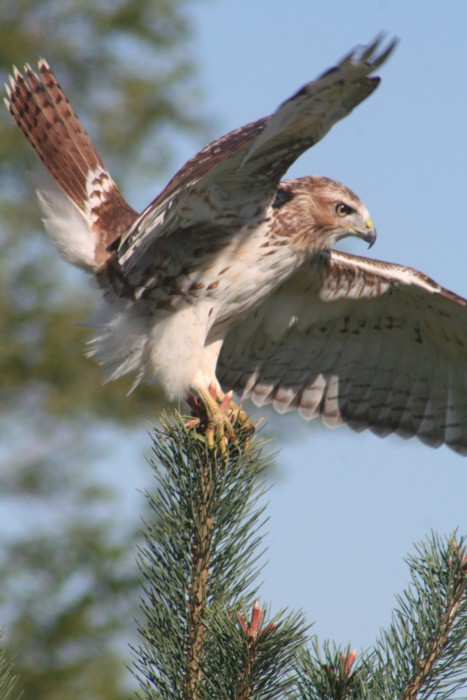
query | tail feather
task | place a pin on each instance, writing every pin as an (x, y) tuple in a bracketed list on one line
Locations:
[(41, 110)]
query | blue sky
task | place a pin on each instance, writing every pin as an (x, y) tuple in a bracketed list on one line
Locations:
[(345, 507)]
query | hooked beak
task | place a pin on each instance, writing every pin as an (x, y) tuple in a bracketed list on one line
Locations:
[(368, 233)]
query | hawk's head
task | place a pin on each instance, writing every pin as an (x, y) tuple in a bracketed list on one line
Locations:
[(318, 212)]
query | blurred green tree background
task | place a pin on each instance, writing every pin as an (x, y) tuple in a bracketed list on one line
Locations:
[(69, 584)]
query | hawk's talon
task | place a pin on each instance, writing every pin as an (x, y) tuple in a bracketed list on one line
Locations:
[(218, 417), (226, 401), (219, 433)]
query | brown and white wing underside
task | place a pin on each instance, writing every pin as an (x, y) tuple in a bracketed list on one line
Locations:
[(235, 178), (359, 341), (40, 108)]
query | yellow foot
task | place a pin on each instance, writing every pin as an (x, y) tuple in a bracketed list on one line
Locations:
[(218, 417)]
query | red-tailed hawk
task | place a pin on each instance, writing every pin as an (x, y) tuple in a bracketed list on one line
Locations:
[(228, 278)]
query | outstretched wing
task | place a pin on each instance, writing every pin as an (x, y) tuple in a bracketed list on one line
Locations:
[(359, 341), (40, 108), (237, 175)]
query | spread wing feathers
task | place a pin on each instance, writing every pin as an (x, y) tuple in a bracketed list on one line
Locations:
[(41, 110), (239, 172), (367, 343)]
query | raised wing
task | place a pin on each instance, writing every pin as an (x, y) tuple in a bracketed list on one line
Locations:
[(354, 340), (40, 108), (238, 174)]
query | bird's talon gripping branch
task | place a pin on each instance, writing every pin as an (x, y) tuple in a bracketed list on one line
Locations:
[(238, 418), (218, 417)]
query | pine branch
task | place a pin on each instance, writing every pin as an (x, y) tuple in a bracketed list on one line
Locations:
[(7, 679), (258, 655), (199, 584), (199, 567), (455, 596), (424, 652), (253, 633), (331, 673)]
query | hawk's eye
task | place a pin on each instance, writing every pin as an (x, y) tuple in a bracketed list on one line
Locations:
[(343, 209)]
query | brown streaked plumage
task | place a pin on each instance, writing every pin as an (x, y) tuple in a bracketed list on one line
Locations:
[(46, 118), (227, 279)]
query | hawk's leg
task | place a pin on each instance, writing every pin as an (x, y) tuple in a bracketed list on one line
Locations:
[(218, 416)]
